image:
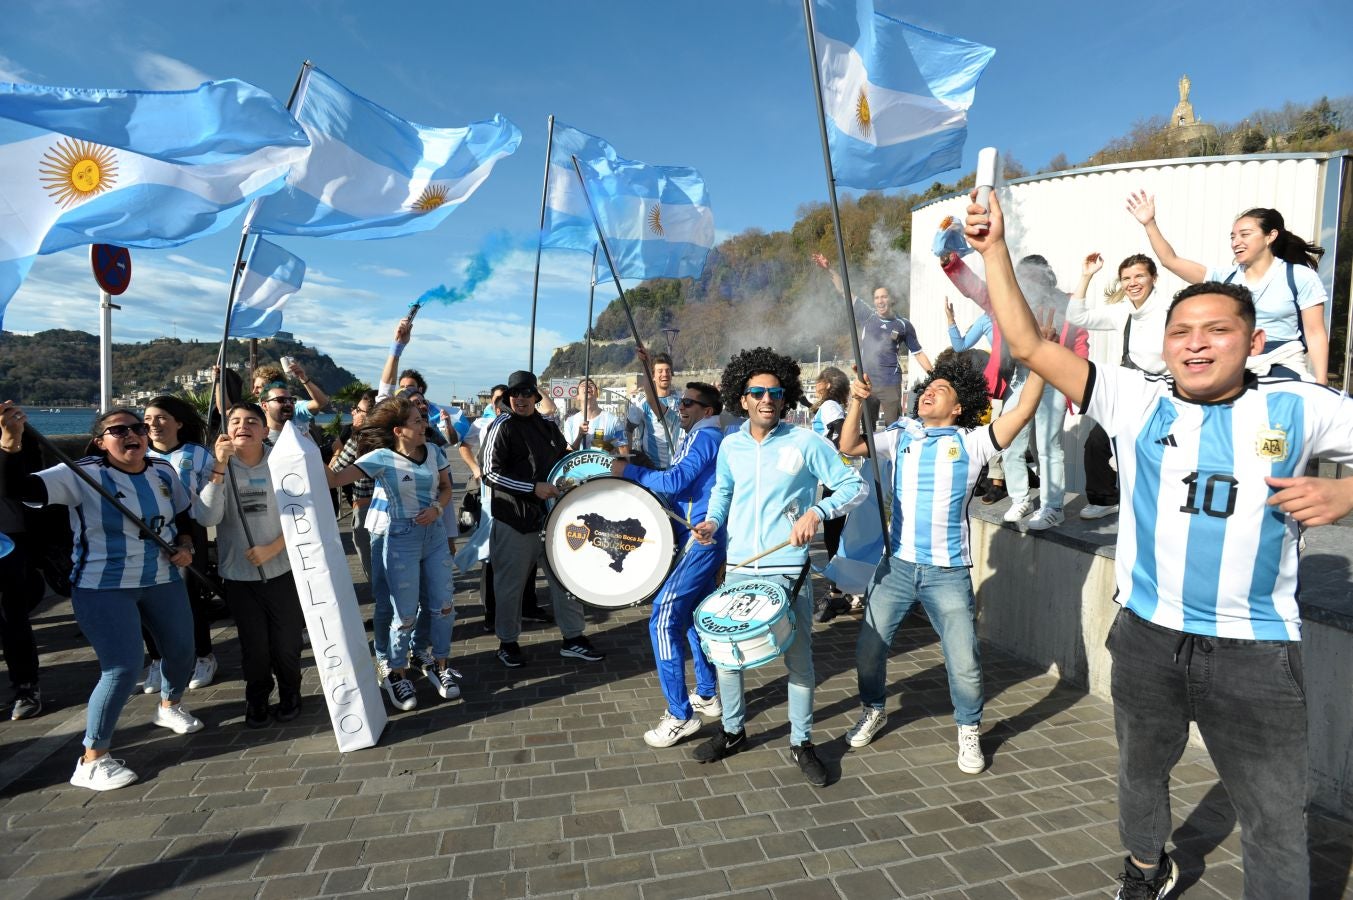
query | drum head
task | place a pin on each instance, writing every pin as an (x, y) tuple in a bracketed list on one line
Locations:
[(578, 467), (609, 542)]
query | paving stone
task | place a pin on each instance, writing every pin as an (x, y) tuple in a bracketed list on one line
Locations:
[(865, 886), (616, 871)]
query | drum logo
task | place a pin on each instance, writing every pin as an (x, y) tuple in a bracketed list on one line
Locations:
[(576, 535)]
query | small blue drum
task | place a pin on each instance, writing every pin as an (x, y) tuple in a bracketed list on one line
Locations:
[(745, 625), (578, 467)]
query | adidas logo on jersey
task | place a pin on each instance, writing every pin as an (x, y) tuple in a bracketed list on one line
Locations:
[(121, 496), (407, 478), (1167, 441)]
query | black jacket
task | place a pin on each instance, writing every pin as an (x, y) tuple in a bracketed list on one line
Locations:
[(519, 452)]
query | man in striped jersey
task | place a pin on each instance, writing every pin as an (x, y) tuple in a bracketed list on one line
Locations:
[(936, 456), (1212, 495)]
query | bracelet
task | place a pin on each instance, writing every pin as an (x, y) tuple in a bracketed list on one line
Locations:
[(396, 349), (306, 380), (218, 471), (437, 506)]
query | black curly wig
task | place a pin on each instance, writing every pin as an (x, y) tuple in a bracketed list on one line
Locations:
[(968, 384), (759, 361)]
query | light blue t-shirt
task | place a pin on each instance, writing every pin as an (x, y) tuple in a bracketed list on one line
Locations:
[(404, 487)]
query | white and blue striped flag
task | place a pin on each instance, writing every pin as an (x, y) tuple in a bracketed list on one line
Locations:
[(896, 96), (861, 545), (133, 168), (373, 175), (657, 219), (270, 277)]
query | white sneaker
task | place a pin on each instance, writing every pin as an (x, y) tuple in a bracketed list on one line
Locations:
[(1020, 509), (204, 673), (670, 729), (102, 774), (401, 692), (871, 723), (443, 681), (153, 678), (970, 758), (1045, 518), (176, 719), (1097, 511), (710, 709)]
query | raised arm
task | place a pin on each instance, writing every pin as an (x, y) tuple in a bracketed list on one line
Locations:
[(1008, 424), (853, 442), (1062, 368), (318, 399), (1143, 209), (390, 373)]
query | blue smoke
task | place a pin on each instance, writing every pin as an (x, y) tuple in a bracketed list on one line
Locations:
[(492, 252)]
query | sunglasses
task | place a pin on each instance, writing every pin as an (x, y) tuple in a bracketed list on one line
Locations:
[(280, 400), (687, 403), (523, 392), (756, 393), (121, 431)]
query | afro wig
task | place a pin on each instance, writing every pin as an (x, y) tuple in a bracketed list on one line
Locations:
[(759, 361), (968, 384)]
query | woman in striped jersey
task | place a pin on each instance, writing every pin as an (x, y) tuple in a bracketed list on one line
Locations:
[(413, 487), (119, 578), (177, 436)]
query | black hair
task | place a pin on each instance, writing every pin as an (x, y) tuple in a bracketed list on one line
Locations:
[(1237, 292), (969, 385), (369, 395), (838, 386), (416, 376), (381, 422), (248, 406), (709, 395), (191, 428), (759, 361), (96, 430), (663, 359), (1286, 246)]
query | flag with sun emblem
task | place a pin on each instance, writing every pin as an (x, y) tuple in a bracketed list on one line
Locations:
[(373, 175), (896, 96), (657, 219), (133, 168)]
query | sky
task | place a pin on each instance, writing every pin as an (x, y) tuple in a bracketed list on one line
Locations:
[(721, 85)]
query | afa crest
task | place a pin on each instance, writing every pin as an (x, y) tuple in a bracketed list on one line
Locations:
[(1271, 444)]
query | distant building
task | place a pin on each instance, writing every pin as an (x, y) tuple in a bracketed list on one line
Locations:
[(1187, 134)]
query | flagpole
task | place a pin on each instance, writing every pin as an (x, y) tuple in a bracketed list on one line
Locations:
[(236, 272), (624, 304), (841, 255), (540, 243), (587, 335)]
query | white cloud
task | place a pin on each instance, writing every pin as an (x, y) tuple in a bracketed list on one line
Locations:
[(165, 73), (316, 276), (12, 71), (193, 264), (385, 271)]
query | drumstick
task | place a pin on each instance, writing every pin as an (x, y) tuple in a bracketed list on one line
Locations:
[(780, 546), (676, 518)]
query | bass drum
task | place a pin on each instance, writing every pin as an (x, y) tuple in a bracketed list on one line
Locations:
[(578, 467), (609, 542)]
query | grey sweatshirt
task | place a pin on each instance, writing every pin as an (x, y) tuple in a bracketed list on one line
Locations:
[(259, 503)]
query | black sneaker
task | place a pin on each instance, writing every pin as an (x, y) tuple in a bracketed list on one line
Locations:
[(580, 648), (289, 708), (27, 702), (824, 610), (509, 654), (995, 494), (721, 746), (1136, 886), (256, 714), (811, 767)]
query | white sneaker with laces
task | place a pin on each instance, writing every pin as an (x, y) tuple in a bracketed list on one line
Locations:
[(670, 729), (710, 709), (102, 774), (1097, 510), (401, 691), (444, 681), (1020, 509), (176, 719), (871, 723), (204, 673), (153, 678), (1045, 518), (970, 758)]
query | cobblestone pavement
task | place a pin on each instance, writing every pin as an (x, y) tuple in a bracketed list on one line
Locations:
[(538, 783)]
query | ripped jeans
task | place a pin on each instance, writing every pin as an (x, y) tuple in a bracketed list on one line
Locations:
[(414, 557)]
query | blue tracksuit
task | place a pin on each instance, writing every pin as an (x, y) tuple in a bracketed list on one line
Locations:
[(686, 485)]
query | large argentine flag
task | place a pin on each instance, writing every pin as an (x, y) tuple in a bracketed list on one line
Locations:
[(134, 168), (896, 97), (657, 219), (371, 174), (271, 276)]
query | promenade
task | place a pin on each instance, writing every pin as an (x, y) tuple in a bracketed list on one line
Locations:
[(538, 783)]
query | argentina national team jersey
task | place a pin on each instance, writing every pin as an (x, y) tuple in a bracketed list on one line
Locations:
[(1199, 549), (403, 487), (109, 551), (934, 470), (192, 462)]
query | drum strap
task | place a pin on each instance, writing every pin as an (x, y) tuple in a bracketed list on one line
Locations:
[(798, 582)]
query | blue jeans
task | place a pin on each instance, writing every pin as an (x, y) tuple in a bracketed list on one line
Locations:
[(1249, 702), (111, 621), (1046, 427), (798, 660), (946, 595), (416, 566)]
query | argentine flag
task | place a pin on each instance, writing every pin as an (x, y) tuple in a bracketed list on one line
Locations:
[(896, 97), (133, 168), (656, 219), (370, 174), (270, 277)]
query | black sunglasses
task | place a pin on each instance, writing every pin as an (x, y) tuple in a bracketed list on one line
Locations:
[(523, 392), (280, 400), (687, 402), (121, 431)]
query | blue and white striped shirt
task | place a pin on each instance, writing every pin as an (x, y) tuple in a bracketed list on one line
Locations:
[(193, 463), (403, 487)]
